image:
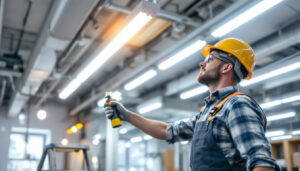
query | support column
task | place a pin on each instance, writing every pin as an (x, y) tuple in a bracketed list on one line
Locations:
[(111, 150), (176, 156)]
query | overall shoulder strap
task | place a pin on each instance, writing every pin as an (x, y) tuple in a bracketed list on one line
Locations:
[(219, 106)]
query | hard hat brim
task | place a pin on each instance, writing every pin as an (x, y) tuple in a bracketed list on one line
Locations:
[(206, 49)]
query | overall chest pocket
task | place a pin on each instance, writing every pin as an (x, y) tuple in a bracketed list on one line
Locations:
[(203, 134)]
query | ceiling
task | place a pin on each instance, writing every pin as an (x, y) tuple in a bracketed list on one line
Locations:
[(61, 37)]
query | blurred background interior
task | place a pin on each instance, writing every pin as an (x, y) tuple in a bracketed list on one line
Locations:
[(59, 57)]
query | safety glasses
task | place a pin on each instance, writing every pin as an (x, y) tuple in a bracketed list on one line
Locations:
[(211, 57)]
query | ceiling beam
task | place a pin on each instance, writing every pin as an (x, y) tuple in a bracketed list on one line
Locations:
[(10, 73), (161, 14)]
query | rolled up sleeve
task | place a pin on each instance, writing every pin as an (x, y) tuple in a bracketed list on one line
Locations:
[(246, 126), (180, 130)]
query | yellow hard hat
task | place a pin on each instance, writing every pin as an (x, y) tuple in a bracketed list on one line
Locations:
[(237, 47)]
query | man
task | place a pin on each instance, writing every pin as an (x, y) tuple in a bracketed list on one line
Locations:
[(228, 134)]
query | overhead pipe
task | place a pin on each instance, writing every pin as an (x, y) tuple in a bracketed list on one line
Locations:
[(23, 27), (2, 91), (161, 14), (120, 78), (10, 73), (18, 100), (1, 18)]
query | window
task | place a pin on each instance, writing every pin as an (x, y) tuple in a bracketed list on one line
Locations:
[(24, 156), (131, 158), (137, 156)]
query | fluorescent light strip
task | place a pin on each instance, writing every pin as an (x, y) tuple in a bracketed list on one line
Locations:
[(147, 137), (246, 16), (274, 133), (297, 132), (270, 104), (136, 139), (291, 99), (281, 137), (281, 116), (139, 21), (182, 55), (69, 89), (140, 80), (279, 102), (193, 92), (151, 107), (271, 74)]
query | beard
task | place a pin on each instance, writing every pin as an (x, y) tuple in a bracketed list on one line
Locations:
[(209, 77)]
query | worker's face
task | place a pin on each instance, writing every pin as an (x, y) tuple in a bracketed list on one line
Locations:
[(210, 69)]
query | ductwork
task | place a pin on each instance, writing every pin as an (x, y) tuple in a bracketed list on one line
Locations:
[(63, 21), (276, 43), (65, 70), (290, 36)]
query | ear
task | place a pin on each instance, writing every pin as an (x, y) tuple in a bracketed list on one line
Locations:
[(227, 68)]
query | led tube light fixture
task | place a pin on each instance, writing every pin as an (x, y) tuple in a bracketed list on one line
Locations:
[(140, 80), (147, 137), (291, 99), (140, 16), (149, 108), (270, 104), (274, 133), (136, 139), (281, 116), (150, 105), (271, 74), (181, 55), (296, 132), (246, 16), (280, 102), (281, 137), (193, 92)]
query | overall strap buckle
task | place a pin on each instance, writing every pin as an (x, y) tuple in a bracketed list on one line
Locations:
[(218, 107)]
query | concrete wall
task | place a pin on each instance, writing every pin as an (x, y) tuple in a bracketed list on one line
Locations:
[(56, 122)]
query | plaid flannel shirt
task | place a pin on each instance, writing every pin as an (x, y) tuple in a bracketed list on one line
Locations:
[(239, 129)]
